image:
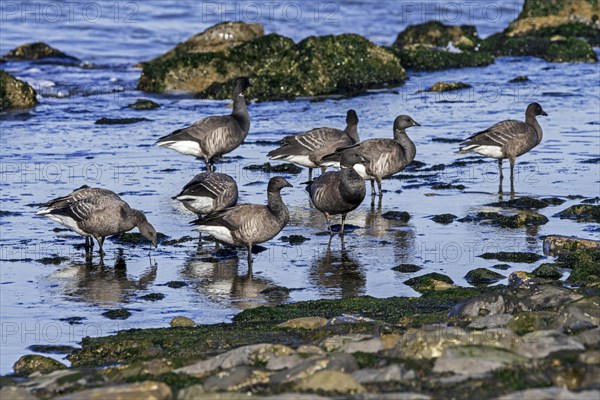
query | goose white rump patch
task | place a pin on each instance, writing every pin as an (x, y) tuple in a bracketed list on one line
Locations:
[(490, 151), (218, 232), (197, 204), (66, 221), (188, 147), (300, 160)]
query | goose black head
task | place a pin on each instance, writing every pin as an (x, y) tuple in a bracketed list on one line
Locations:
[(351, 158), (404, 121), (535, 109), (351, 117), (241, 84), (147, 230), (277, 183)]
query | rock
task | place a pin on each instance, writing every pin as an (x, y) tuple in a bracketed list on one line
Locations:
[(120, 313), (548, 271), (517, 257), (522, 279), (544, 297), (520, 78), (309, 349), (491, 321), (444, 186), (540, 344), (373, 345), (267, 167), (474, 360), (330, 382), (152, 297), (63, 381), (590, 357), (181, 322), (529, 322), (284, 362), (192, 392), (15, 393), (407, 268), (294, 239), (431, 281), (579, 315), (245, 355), (217, 38), (582, 213), (433, 46), (304, 323), (483, 277), (147, 390), (36, 51), (585, 264), (341, 362), (392, 373), (444, 218), (31, 363), (336, 342), (518, 220), (502, 267), (590, 338), (486, 304), (523, 203), (154, 367), (551, 393), (236, 379), (401, 216), (119, 121), (143, 104), (448, 86), (279, 68), (15, 93)]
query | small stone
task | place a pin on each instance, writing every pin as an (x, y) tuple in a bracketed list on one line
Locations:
[(392, 373), (431, 281), (373, 345), (521, 279), (334, 382), (548, 271), (517, 257), (444, 218), (294, 239), (36, 51), (334, 362), (119, 121), (31, 363), (182, 322), (502, 267), (15, 93), (474, 360), (590, 357), (285, 362), (589, 338), (15, 393), (540, 344), (193, 392), (336, 342), (310, 349), (520, 78), (486, 304), (152, 297), (448, 86), (235, 379), (147, 390), (176, 284), (120, 313), (482, 277), (304, 323), (407, 268), (548, 297), (401, 216), (551, 393), (143, 104)]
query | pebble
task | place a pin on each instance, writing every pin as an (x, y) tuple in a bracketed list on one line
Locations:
[(181, 322), (304, 323), (552, 393), (391, 373), (474, 360), (147, 390), (539, 344), (335, 382), (491, 321)]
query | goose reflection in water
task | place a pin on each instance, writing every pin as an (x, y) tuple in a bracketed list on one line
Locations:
[(336, 271), (101, 284), (215, 274)]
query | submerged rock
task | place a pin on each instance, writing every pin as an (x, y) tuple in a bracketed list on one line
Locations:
[(15, 93), (31, 363), (518, 220), (407, 268), (143, 104), (507, 256), (36, 51), (557, 244), (547, 271), (520, 78), (483, 277), (448, 86), (431, 281), (582, 213), (279, 68), (585, 264), (119, 121), (524, 203), (181, 322), (433, 45), (401, 216), (268, 167)]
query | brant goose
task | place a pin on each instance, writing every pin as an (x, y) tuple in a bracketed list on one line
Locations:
[(212, 137), (307, 149), (249, 224), (339, 192), (209, 192), (97, 213), (386, 156), (507, 139)]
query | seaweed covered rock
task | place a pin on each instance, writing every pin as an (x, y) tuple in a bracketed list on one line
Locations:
[(36, 51), (482, 277), (582, 213), (431, 281), (15, 93), (220, 37), (585, 264), (434, 46), (552, 31), (448, 86), (279, 68), (516, 220), (31, 363)]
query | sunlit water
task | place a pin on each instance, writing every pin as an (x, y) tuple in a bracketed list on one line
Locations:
[(56, 147)]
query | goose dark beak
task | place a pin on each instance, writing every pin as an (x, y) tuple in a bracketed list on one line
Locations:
[(544, 113), (289, 185), (415, 123)]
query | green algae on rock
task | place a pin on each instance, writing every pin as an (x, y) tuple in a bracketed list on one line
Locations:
[(548, 271), (483, 277), (15, 93), (431, 281), (558, 244), (506, 256), (585, 265), (444, 218), (582, 212), (279, 68), (448, 86), (36, 51), (144, 104), (524, 203), (517, 220), (280, 168), (31, 363)]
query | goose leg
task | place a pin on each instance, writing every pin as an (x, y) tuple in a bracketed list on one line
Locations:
[(379, 190), (249, 259), (310, 174), (500, 175), (101, 243), (323, 169), (328, 224), (512, 175), (372, 187), (343, 224)]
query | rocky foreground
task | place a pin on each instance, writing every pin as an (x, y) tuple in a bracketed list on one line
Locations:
[(533, 339)]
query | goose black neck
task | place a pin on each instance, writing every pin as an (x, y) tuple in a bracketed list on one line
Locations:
[(275, 204), (404, 141), (532, 120), (352, 132)]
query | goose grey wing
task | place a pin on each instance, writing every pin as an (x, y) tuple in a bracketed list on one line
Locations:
[(77, 195), (232, 218), (499, 134), (201, 129), (320, 190), (90, 207), (307, 142)]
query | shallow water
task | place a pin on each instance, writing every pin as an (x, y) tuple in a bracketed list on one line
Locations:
[(56, 147)]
